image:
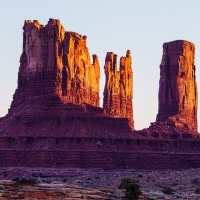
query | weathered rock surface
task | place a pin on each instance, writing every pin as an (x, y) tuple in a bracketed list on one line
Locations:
[(54, 61), (178, 95), (58, 88), (118, 91), (54, 191), (55, 108)]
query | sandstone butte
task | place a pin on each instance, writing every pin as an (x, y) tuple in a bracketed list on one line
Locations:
[(178, 95), (55, 119)]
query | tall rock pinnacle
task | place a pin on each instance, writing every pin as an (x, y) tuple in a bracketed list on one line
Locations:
[(56, 62), (178, 88), (118, 91)]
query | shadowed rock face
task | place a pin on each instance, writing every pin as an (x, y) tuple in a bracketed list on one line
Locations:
[(178, 87), (54, 61), (118, 91)]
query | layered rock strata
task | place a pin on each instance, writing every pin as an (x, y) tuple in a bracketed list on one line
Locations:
[(54, 61), (178, 95), (118, 91), (55, 108), (58, 88)]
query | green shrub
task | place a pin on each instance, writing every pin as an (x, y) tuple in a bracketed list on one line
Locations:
[(46, 181), (24, 180), (2, 187), (64, 180), (140, 176), (16, 179), (196, 181), (167, 190), (132, 190), (197, 191)]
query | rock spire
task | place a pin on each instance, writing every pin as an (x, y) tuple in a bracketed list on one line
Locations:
[(118, 91), (178, 88)]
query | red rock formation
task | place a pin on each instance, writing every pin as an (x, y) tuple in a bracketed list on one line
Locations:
[(58, 88), (177, 113), (178, 88), (55, 108), (56, 62), (118, 91)]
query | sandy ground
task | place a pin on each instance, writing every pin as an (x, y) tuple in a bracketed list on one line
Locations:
[(98, 183)]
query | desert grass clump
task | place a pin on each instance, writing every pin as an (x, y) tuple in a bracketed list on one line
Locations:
[(139, 176), (167, 190), (2, 187), (196, 181), (197, 191), (48, 181), (24, 180), (132, 189)]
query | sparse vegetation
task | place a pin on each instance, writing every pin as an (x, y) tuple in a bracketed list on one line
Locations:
[(196, 181), (140, 176), (24, 180), (2, 187), (148, 178), (16, 179), (197, 191), (46, 181), (167, 190), (132, 190), (64, 180)]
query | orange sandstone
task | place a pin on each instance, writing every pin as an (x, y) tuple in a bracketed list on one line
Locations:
[(118, 91)]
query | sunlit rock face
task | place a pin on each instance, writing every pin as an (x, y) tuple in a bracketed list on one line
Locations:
[(56, 62), (118, 91), (178, 87), (58, 88), (178, 95)]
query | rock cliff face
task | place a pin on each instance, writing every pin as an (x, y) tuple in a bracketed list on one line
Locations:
[(55, 108), (58, 88), (178, 97), (118, 91), (54, 61), (178, 87)]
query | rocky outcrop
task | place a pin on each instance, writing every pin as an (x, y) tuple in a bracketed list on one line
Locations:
[(178, 97), (178, 87), (58, 88), (56, 62), (118, 91), (55, 108)]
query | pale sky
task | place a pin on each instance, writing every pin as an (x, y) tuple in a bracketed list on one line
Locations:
[(111, 25)]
